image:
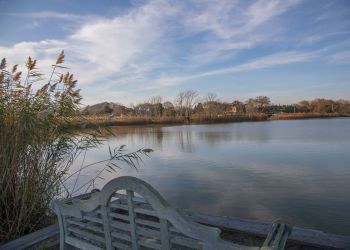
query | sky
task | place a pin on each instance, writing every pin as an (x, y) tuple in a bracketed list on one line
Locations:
[(129, 51)]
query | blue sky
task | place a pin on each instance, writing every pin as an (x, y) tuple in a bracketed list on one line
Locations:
[(128, 51)]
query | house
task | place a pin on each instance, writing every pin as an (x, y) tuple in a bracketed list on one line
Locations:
[(237, 107)]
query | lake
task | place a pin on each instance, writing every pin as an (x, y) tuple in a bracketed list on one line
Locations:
[(297, 171)]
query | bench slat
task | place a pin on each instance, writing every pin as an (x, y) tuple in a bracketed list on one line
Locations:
[(119, 216), (147, 223), (82, 244), (145, 211), (187, 242), (94, 219), (85, 225), (121, 235), (149, 244), (120, 245), (86, 234), (120, 206), (148, 232), (121, 225)]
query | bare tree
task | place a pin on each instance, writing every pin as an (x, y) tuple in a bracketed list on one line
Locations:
[(185, 101), (156, 105), (179, 102), (211, 104), (211, 97), (189, 102), (155, 99), (169, 109), (258, 104)]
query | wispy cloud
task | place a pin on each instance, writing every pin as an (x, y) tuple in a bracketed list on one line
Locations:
[(57, 15), (256, 64), (342, 57)]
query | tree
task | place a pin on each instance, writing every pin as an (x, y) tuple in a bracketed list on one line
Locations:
[(343, 106), (169, 109), (185, 103), (211, 105), (189, 102), (304, 106), (157, 106), (179, 101), (211, 97), (198, 108), (258, 104)]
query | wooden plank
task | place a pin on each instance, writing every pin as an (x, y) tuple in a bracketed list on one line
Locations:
[(187, 242), (149, 244), (121, 225), (120, 245), (92, 218), (106, 227), (85, 225), (164, 229), (32, 239), (148, 232), (175, 230), (119, 216), (132, 220), (120, 206), (82, 244), (84, 234), (147, 223), (299, 235), (145, 211), (120, 235)]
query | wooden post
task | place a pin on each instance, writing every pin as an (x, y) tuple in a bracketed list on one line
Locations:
[(106, 227), (132, 220), (164, 232)]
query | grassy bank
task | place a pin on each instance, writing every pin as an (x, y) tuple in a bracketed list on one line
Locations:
[(91, 121), (297, 116)]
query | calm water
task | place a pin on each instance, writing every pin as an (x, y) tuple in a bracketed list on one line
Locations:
[(296, 171)]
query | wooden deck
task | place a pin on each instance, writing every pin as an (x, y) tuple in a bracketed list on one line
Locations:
[(248, 231)]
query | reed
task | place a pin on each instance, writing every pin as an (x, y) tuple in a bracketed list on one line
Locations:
[(37, 149)]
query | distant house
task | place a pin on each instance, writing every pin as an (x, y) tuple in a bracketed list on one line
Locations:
[(237, 107)]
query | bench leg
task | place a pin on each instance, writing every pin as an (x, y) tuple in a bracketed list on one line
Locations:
[(277, 237)]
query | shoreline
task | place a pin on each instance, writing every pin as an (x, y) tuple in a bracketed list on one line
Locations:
[(107, 121)]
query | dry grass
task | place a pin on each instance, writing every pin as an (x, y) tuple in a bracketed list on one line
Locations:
[(90, 121), (293, 116)]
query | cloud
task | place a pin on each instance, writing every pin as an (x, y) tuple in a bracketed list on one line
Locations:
[(57, 15), (342, 57), (256, 64), (103, 48), (46, 50)]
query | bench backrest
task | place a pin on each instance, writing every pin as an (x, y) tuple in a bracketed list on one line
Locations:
[(128, 213)]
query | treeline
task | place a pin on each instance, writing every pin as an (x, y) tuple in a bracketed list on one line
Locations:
[(188, 104)]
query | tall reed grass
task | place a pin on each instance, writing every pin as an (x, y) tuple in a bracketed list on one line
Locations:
[(36, 148)]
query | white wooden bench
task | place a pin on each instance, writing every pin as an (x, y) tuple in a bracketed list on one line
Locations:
[(128, 213)]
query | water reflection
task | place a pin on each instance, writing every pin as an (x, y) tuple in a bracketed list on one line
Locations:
[(296, 171)]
